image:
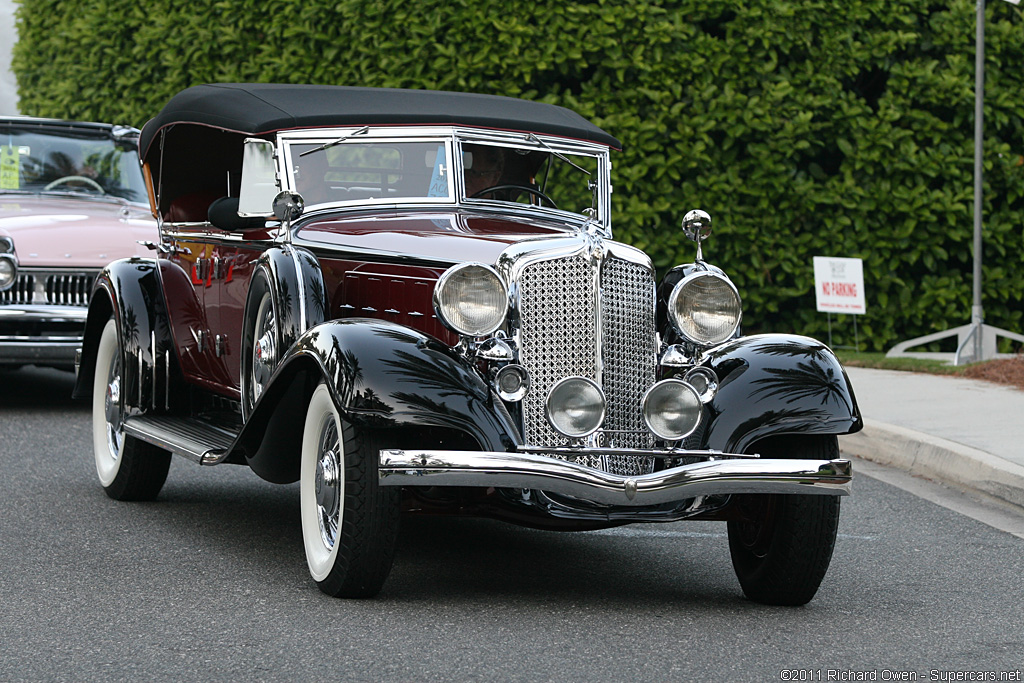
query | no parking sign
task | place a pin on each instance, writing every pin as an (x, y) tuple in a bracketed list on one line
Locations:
[(839, 284)]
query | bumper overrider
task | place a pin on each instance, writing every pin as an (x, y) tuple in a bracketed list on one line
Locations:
[(722, 473)]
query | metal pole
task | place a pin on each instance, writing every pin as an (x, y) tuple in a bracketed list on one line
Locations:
[(977, 313)]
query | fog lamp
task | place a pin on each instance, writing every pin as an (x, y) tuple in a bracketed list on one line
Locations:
[(704, 380), (575, 407), (672, 409), (512, 382)]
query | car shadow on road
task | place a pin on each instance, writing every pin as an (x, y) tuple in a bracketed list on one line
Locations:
[(34, 387), (457, 560), (466, 560)]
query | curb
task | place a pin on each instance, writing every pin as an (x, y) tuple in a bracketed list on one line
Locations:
[(937, 459)]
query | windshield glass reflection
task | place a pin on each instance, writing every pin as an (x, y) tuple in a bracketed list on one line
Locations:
[(40, 162)]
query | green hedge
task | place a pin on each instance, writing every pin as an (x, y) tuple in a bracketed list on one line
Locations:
[(805, 127)]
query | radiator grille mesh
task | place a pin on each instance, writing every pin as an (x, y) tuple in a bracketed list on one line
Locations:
[(559, 335), (630, 354), (558, 323)]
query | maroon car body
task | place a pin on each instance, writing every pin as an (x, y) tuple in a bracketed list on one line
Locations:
[(72, 199), (410, 302)]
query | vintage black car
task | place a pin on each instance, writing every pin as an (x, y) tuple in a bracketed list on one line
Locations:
[(72, 199), (410, 302)]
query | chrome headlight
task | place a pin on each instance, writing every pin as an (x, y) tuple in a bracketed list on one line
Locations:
[(704, 307), (471, 299), (8, 271)]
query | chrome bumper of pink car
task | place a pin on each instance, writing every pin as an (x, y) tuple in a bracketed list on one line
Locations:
[(526, 471)]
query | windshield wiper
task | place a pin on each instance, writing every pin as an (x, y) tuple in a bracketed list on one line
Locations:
[(332, 143), (533, 138)]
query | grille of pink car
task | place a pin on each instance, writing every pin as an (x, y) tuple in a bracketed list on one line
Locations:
[(49, 288)]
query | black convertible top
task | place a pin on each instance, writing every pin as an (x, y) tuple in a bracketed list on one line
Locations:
[(264, 108)]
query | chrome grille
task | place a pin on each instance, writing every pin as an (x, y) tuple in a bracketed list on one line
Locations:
[(558, 324), (42, 288), (558, 338), (21, 292), (630, 354), (69, 290)]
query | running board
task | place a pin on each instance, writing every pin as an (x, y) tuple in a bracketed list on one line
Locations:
[(196, 440)]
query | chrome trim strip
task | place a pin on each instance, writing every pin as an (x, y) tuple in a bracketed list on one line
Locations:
[(167, 379), (521, 470), (302, 289), (667, 453), (43, 313), (153, 370)]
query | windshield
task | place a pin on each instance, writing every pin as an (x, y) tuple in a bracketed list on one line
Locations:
[(352, 171), (366, 166), (542, 177), (69, 163)]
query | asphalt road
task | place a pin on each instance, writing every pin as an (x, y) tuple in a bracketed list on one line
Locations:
[(209, 583)]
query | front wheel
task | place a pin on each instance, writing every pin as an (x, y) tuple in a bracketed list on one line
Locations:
[(781, 545), (128, 469), (349, 522)]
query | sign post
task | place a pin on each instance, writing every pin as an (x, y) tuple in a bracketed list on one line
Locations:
[(983, 336), (839, 288)]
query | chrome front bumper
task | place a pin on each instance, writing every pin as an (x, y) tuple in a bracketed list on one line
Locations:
[(526, 471), (40, 334)]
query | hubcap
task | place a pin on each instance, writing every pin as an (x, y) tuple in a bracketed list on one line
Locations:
[(328, 484), (264, 353), (112, 408)]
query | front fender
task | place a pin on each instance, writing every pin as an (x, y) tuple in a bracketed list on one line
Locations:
[(777, 384), (298, 289), (131, 291), (383, 376)]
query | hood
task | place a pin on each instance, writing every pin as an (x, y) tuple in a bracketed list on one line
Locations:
[(74, 232), (448, 237)]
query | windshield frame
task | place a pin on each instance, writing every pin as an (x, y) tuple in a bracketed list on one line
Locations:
[(453, 139)]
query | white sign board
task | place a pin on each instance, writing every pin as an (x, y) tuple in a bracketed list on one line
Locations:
[(839, 284)]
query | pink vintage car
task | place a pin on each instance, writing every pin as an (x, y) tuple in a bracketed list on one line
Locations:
[(72, 199)]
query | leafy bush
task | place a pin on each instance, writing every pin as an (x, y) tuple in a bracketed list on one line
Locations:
[(804, 127)]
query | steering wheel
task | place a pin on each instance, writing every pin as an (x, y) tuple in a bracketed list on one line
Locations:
[(76, 179), (522, 188)]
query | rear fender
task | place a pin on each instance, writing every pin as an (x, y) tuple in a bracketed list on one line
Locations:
[(776, 384), (383, 376)]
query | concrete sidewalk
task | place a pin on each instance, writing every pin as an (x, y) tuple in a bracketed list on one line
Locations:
[(966, 433)]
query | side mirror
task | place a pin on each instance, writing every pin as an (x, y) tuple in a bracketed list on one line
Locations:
[(697, 226), (288, 206), (259, 179)]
